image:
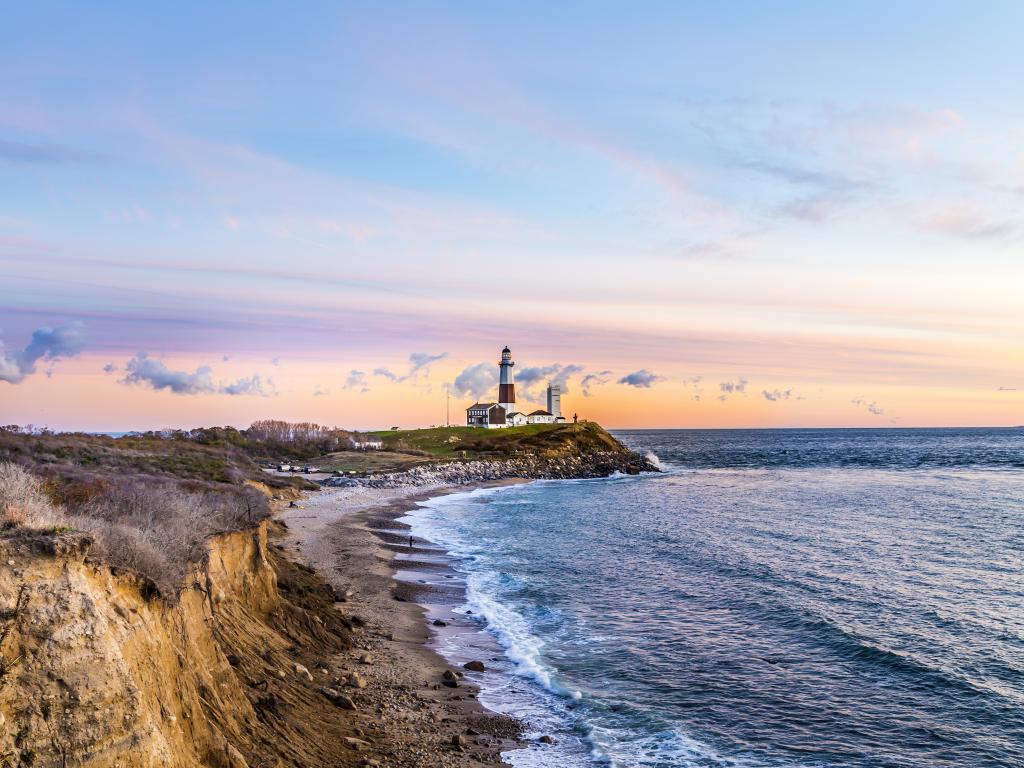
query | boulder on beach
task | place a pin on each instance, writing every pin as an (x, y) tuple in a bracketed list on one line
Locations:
[(339, 699), (355, 680)]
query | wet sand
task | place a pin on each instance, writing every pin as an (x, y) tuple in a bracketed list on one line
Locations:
[(353, 538)]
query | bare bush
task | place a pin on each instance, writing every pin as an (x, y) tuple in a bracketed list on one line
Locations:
[(131, 548), (155, 527), (159, 529), (23, 502)]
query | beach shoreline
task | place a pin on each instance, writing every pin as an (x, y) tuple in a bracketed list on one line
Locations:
[(352, 538)]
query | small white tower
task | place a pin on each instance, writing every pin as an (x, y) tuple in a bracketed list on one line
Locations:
[(555, 400), (506, 382)]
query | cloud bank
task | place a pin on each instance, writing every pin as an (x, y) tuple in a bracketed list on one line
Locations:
[(420, 362), (478, 381), (642, 379), (356, 380), (419, 366), (594, 379), (529, 379), (732, 387), (46, 344), (144, 371)]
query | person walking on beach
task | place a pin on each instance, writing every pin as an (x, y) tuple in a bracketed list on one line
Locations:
[(410, 542)]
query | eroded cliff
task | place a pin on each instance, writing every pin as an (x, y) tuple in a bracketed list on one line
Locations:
[(98, 671)]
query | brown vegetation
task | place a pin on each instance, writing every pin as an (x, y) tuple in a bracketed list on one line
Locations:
[(22, 501), (150, 500), (156, 528)]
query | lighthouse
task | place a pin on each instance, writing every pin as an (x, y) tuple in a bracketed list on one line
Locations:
[(506, 382)]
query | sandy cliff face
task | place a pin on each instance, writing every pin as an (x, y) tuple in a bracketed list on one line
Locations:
[(97, 672)]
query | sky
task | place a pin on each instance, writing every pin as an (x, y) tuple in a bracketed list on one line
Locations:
[(689, 214)]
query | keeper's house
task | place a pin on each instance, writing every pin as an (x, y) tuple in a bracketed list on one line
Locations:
[(486, 415), (516, 419), (540, 417)]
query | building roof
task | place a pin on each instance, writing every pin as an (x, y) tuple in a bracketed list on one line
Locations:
[(539, 413), (480, 405), (516, 413)]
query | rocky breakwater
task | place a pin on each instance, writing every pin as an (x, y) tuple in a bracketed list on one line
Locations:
[(532, 467)]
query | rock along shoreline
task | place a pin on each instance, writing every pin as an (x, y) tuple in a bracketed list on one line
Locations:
[(458, 473)]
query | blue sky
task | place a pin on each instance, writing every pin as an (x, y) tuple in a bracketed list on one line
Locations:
[(819, 198)]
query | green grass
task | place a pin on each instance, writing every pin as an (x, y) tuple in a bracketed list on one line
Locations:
[(475, 442)]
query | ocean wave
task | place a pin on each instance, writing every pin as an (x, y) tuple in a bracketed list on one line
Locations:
[(512, 630), (667, 748), (515, 634), (918, 668), (747, 618)]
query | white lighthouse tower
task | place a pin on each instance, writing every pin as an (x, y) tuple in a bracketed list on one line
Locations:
[(506, 382)]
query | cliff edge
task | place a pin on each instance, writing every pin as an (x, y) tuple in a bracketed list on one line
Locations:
[(96, 672)]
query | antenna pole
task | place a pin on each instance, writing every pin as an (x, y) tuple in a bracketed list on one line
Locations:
[(447, 405)]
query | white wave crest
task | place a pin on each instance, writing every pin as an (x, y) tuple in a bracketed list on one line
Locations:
[(514, 633), (670, 747), (652, 457)]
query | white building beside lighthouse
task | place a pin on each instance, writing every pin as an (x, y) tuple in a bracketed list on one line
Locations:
[(555, 401)]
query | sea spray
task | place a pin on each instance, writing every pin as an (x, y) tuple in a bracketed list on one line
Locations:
[(652, 457)]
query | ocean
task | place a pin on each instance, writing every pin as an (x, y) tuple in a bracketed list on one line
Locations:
[(820, 598)]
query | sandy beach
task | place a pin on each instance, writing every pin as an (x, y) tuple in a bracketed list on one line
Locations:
[(351, 536)]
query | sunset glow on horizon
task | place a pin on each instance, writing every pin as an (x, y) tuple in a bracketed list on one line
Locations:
[(339, 214)]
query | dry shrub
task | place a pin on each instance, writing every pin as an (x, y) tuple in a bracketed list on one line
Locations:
[(23, 502), (71, 492), (134, 549), (159, 529), (155, 527)]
